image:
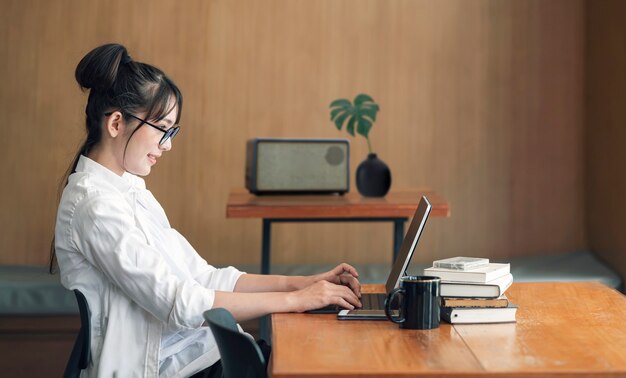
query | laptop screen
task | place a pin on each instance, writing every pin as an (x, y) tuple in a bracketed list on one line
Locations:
[(408, 244)]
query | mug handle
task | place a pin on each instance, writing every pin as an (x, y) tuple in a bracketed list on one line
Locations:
[(388, 302)]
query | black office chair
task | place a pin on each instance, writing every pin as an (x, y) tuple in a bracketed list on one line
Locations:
[(241, 356), (79, 359)]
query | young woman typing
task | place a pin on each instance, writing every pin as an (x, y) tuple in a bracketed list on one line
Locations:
[(146, 286)]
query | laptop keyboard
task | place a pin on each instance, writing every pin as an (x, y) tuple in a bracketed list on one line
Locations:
[(370, 301), (373, 301)]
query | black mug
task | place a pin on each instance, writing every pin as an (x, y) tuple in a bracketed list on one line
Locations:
[(419, 306)]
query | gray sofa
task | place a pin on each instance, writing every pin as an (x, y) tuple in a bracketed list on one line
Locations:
[(28, 290)]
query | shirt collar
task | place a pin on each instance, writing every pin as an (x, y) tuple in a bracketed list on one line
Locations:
[(123, 183)]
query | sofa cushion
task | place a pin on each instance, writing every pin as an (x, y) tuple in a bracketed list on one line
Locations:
[(572, 266), (31, 290)]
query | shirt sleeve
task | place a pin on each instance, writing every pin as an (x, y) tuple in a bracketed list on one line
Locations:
[(223, 279), (105, 231)]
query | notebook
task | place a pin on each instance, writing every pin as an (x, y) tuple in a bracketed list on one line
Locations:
[(376, 300)]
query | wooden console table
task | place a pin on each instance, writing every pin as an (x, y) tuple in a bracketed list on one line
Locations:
[(563, 330), (397, 206)]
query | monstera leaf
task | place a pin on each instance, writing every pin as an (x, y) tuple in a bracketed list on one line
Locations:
[(360, 114)]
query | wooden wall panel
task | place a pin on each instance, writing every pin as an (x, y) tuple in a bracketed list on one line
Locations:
[(479, 100), (606, 131)]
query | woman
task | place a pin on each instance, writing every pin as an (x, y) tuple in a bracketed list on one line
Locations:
[(146, 286)]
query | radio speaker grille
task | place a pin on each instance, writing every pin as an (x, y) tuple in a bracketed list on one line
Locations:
[(297, 165)]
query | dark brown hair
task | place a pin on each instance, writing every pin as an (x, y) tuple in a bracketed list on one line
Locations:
[(117, 82)]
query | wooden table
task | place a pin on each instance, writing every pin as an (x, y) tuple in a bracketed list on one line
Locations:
[(562, 330), (397, 206)]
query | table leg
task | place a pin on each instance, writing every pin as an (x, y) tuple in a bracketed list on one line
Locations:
[(398, 236), (265, 328), (266, 244), (264, 322)]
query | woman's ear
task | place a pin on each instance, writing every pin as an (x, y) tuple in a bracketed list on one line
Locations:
[(114, 124)]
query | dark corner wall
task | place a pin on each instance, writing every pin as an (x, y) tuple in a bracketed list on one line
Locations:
[(605, 130)]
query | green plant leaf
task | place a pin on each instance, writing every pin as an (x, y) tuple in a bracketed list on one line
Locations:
[(335, 112), (370, 105), (350, 127), (361, 98), (369, 112), (340, 120), (342, 102), (361, 114), (363, 126)]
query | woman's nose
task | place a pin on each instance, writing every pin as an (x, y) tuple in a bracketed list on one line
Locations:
[(167, 145)]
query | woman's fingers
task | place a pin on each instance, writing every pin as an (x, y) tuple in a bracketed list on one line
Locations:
[(347, 294), (352, 283), (345, 268), (345, 304), (339, 295)]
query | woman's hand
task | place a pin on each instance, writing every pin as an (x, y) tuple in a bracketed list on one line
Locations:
[(343, 274), (323, 293), (258, 294), (272, 293)]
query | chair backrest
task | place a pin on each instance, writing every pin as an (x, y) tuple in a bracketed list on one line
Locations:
[(241, 356), (79, 359)]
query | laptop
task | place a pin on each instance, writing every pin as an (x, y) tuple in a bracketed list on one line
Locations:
[(373, 303)]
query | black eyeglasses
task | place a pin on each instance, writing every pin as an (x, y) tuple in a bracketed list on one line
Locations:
[(169, 133)]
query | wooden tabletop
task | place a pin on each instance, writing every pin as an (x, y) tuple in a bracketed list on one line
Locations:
[(562, 329), (398, 203)]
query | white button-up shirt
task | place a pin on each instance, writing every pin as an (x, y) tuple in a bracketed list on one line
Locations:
[(146, 286)]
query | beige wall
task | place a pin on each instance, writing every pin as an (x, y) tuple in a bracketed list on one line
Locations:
[(480, 100), (606, 130)]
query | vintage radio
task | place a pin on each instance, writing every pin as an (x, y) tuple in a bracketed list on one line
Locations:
[(281, 165)]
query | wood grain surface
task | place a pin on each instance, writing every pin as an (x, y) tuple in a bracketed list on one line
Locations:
[(562, 330), (482, 101), (396, 204)]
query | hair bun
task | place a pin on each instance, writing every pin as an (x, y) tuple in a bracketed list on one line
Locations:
[(98, 69), (126, 58)]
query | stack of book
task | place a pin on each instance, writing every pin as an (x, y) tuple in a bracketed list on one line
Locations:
[(473, 290)]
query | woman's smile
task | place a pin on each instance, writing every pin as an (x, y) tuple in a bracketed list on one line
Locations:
[(153, 158)]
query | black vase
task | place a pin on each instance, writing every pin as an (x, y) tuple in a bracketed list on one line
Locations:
[(373, 177)]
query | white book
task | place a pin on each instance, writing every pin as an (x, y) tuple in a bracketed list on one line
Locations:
[(501, 301), (472, 315), (461, 263), (482, 274), (491, 289)]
